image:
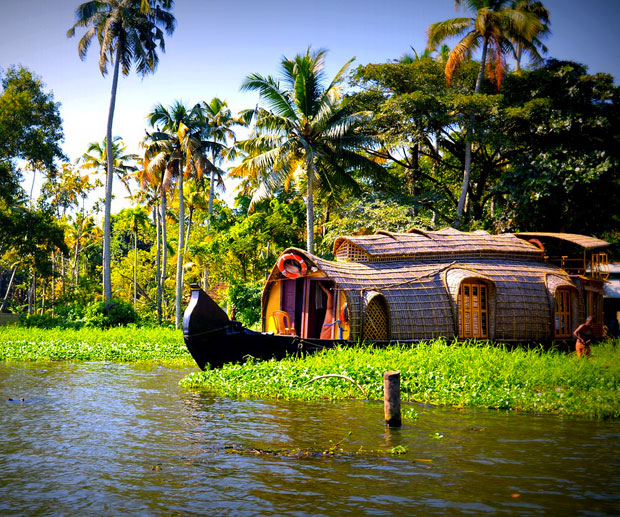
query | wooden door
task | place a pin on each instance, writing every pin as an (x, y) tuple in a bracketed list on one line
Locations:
[(563, 323), (473, 307)]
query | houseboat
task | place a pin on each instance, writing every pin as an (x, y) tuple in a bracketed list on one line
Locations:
[(414, 286)]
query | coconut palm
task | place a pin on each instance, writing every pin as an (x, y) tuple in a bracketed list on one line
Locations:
[(177, 148), (150, 181), (218, 129), (534, 48), (128, 32), (195, 198), (494, 26), (137, 218), (96, 158), (306, 129)]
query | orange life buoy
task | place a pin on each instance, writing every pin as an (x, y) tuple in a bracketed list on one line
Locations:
[(295, 268)]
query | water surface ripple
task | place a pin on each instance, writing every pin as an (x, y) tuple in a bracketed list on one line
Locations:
[(106, 439)]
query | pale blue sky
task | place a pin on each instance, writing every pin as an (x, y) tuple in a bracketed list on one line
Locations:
[(217, 43)]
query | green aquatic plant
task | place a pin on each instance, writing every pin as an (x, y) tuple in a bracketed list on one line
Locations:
[(469, 374), (122, 344)]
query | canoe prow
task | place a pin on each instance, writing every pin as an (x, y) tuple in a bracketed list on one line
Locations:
[(214, 339)]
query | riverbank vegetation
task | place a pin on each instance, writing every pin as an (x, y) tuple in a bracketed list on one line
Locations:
[(156, 345), (469, 374)]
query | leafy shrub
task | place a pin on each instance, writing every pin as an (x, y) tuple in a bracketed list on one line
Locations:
[(41, 321), (246, 301), (113, 314), (71, 312)]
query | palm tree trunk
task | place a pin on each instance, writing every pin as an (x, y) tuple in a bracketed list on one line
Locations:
[(32, 295), (53, 281), (158, 262), (107, 226), (211, 194), (164, 246), (205, 278), (180, 248), (460, 211), (63, 272), (518, 55), (189, 226), (310, 204), (8, 289), (135, 267), (76, 257)]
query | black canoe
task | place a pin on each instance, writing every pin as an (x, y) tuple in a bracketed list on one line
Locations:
[(214, 339)]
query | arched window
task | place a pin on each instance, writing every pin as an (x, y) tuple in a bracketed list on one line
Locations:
[(473, 307), (563, 322), (376, 321)]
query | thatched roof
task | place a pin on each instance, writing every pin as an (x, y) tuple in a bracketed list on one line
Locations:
[(419, 245), (422, 295), (580, 240)]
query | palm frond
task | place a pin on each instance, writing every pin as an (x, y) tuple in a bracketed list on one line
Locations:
[(269, 90), (438, 32), (461, 52)]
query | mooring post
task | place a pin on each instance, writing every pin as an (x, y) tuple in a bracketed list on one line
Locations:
[(391, 398)]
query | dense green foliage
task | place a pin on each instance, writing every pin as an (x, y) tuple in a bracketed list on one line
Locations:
[(389, 150), (246, 302), (466, 374), (30, 135), (75, 316), (123, 344)]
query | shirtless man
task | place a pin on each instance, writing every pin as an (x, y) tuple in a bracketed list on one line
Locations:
[(584, 336)]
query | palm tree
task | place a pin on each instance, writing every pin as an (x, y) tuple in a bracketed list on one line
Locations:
[(306, 129), (96, 158), (150, 181), (136, 218), (129, 32), (195, 197), (177, 149), (218, 124), (535, 47), (495, 25)]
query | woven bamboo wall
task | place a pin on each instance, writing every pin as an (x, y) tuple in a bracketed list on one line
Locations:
[(422, 297)]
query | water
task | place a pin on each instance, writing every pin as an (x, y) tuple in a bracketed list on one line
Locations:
[(109, 439)]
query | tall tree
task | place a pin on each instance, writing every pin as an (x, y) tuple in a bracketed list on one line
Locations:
[(136, 219), (129, 32), (218, 129), (177, 148), (534, 48), (150, 181), (306, 128), (96, 158), (494, 26)]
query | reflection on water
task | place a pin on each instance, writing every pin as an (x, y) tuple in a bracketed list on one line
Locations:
[(108, 439)]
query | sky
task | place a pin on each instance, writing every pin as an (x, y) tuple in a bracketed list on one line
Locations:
[(217, 43)]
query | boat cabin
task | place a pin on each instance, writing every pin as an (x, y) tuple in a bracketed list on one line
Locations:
[(587, 264), (425, 284)]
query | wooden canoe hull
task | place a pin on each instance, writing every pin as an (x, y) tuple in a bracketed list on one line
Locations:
[(213, 339)]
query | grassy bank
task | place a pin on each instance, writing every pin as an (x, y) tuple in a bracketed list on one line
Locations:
[(470, 374), (123, 344)]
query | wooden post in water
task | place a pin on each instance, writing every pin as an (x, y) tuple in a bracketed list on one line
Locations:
[(391, 398)]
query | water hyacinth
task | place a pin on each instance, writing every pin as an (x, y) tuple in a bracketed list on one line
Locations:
[(467, 374), (121, 344)]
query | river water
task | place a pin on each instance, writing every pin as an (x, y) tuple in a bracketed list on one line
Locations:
[(109, 439)]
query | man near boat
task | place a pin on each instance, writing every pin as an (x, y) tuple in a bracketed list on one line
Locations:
[(584, 335)]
